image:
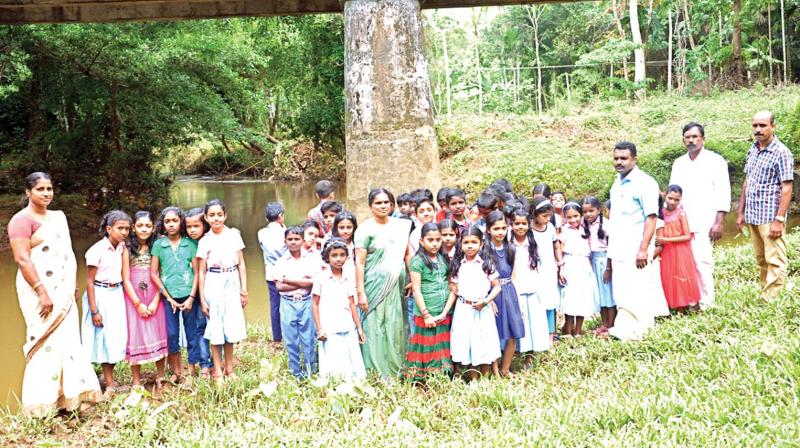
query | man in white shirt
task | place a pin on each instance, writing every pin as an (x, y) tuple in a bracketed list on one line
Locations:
[(703, 176)]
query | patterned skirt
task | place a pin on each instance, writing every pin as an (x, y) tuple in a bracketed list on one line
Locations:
[(428, 351)]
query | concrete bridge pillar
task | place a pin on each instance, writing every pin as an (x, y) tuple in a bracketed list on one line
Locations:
[(391, 140)]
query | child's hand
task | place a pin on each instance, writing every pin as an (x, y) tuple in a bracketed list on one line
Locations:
[(430, 322), (362, 301), (478, 306), (187, 305), (561, 279), (204, 307), (495, 310), (362, 338), (407, 289), (175, 306), (322, 336), (243, 299), (454, 287), (660, 240), (144, 310), (606, 276), (97, 320)]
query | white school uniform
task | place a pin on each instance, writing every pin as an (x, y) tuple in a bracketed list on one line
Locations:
[(473, 334), (580, 291), (534, 314), (226, 322), (548, 268)]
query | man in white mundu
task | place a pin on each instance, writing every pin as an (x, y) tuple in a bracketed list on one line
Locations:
[(703, 176), (634, 211)]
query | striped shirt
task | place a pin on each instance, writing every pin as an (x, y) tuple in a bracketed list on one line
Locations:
[(766, 169)]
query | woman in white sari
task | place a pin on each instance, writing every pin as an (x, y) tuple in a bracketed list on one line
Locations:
[(57, 373)]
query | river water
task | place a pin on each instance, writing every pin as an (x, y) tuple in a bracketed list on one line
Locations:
[(245, 201)]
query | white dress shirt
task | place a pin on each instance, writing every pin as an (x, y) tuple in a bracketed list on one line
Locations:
[(706, 188)]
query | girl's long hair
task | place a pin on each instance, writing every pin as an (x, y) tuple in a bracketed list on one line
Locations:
[(451, 225), (134, 246), (492, 218), (426, 229), (488, 260), (594, 202), (110, 218), (533, 249), (159, 230)]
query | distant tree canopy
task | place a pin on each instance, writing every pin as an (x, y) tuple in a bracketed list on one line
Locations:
[(103, 107)]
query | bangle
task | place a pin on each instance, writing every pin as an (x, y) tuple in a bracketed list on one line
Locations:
[(192, 297), (136, 305), (36, 286), (243, 293), (94, 313)]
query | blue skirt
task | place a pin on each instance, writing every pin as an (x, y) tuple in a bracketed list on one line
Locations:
[(599, 261), (509, 317)]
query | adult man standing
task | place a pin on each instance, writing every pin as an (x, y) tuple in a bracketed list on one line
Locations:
[(703, 176), (634, 210), (764, 203)]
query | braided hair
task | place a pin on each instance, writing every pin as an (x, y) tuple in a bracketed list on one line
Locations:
[(594, 202)]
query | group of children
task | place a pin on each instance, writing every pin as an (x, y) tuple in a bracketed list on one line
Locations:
[(487, 280), (147, 273)]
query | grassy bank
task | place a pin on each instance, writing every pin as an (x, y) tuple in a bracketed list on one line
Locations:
[(570, 146), (728, 377)]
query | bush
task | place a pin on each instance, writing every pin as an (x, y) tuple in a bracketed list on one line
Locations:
[(450, 142), (792, 136)]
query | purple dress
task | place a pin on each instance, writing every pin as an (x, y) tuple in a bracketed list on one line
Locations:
[(509, 317)]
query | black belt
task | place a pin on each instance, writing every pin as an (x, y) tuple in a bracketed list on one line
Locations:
[(217, 270), (106, 285)]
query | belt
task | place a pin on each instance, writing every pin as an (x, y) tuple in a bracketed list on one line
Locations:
[(296, 297), (505, 281), (467, 301), (217, 270), (106, 285)]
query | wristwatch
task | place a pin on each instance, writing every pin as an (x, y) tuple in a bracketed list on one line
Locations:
[(780, 218)]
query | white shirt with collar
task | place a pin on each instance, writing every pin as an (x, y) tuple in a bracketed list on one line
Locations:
[(706, 188)]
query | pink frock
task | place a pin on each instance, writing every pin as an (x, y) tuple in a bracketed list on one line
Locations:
[(679, 275), (147, 337)]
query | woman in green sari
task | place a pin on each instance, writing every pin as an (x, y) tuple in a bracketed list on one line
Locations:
[(382, 254)]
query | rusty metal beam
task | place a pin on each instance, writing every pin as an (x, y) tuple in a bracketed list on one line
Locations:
[(16, 12)]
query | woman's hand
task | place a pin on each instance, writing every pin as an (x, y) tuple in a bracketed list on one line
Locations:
[(45, 304), (362, 301), (97, 320), (144, 310)]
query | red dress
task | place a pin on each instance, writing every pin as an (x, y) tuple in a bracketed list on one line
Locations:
[(679, 275)]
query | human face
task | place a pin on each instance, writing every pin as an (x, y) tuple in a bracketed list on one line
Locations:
[(482, 212), (693, 141), (425, 212), (498, 232), (215, 217), (590, 212), (543, 218), (471, 245), (763, 128), (41, 194), (520, 227), (194, 227), (407, 208), (381, 206), (337, 258), (172, 224), (573, 218), (143, 228), (558, 201), (118, 231), (310, 236), (673, 200), (328, 218), (449, 238), (623, 161), (457, 206), (294, 242), (431, 243), (345, 229)]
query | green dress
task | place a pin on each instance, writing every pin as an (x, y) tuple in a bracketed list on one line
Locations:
[(385, 322)]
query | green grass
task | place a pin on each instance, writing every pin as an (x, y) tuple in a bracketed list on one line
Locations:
[(727, 377), (571, 151)]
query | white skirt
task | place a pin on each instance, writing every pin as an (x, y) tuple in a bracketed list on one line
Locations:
[(549, 288), (580, 292), (226, 324), (106, 344), (534, 316), (340, 357), (473, 336)]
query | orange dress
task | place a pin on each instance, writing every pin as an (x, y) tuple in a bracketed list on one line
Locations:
[(679, 275)]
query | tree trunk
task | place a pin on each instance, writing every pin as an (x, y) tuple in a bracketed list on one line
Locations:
[(769, 39), (391, 139), (785, 50), (535, 14), (638, 52), (621, 29), (737, 43), (688, 25), (669, 52)]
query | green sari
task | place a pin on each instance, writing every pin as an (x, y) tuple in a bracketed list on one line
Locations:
[(385, 322)]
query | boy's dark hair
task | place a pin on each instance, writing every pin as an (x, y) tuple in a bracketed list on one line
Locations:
[(497, 190), (159, 230), (626, 146), (294, 230), (333, 243), (487, 200), (404, 198), (441, 195), (422, 193), (331, 206), (675, 188), (324, 188), (455, 193), (691, 125), (110, 218), (273, 211), (505, 184)]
